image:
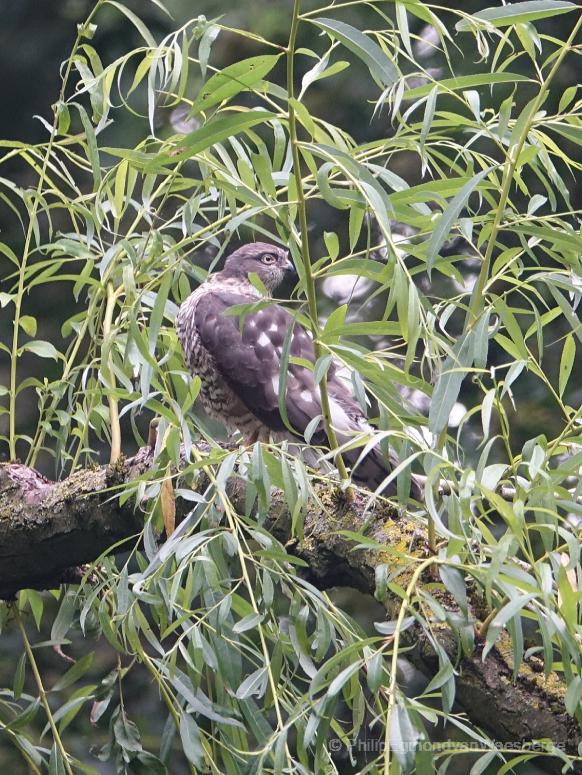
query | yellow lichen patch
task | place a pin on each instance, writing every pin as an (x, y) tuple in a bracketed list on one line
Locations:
[(552, 685)]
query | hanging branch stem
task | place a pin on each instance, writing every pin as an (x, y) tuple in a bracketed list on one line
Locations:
[(304, 248), (14, 354), (42, 694), (430, 562), (111, 398)]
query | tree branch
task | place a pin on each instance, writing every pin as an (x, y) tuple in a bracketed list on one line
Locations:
[(47, 528)]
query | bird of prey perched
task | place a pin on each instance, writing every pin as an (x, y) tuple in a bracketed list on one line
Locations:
[(239, 364)]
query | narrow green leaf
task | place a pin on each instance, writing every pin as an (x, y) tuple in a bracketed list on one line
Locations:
[(191, 742), (355, 223), (331, 243), (483, 762), (455, 584), (429, 110), (381, 67), (158, 310), (137, 23), (254, 684), (233, 79), (119, 188), (312, 426), (280, 751), (75, 672), (375, 672), (562, 239), (463, 82), (566, 362), (63, 619), (63, 117), (403, 736), (378, 328), (336, 319), (573, 695), (36, 602), (449, 384), (486, 409), (92, 147), (320, 71), (28, 324), (389, 628), (19, 674), (573, 133), (321, 366), (567, 311), (445, 223), (248, 622), (42, 349), (340, 680), (214, 131), (510, 609), (567, 98), (403, 29), (445, 673), (56, 763), (211, 32), (514, 13), (512, 327)]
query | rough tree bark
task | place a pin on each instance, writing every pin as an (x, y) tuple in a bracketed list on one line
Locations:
[(48, 528)]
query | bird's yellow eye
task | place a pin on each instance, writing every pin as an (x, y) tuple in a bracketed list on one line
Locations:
[(268, 258)]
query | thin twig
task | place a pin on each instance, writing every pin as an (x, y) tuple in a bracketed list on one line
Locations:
[(42, 693), (304, 248)]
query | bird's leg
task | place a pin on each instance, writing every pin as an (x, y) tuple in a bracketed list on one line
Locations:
[(252, 439), (153, 433)]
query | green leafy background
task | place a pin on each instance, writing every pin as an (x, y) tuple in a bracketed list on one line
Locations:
[(438, 170)]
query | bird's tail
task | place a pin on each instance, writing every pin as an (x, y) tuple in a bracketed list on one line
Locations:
[(373, 470)]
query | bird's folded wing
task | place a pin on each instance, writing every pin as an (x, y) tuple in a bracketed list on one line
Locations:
[(248, 357)]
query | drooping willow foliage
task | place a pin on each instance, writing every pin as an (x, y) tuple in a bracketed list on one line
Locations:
[(253, 669)]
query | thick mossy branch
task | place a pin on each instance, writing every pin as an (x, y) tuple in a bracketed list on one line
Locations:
[(530, 708), (48, 528)]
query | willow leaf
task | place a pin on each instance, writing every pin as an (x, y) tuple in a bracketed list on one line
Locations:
[(450, 214), (517, 13), (381, 67)]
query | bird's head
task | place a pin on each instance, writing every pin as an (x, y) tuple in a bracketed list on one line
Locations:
[(269, 262)]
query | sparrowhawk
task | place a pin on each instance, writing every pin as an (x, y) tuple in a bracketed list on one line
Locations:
[(238, 359)]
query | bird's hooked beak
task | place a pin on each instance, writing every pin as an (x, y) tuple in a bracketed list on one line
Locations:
[(289, 266)]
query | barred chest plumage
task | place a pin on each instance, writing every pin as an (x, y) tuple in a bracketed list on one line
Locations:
[(217, 398)]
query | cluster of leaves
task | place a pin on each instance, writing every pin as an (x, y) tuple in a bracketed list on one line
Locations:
[(255, 667)]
